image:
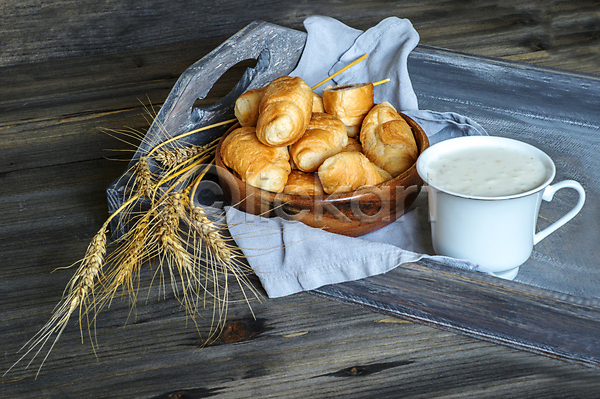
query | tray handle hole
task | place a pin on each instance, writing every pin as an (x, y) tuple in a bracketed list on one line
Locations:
[(225, 83)]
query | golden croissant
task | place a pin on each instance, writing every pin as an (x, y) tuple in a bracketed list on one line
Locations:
[(255, 163), (350, 103), (284, 112), (324, 136), (349, 171), (388, 140)]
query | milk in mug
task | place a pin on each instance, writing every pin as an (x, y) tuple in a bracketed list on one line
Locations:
[(486, 171)]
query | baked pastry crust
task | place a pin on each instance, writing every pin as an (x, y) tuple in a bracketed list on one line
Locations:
[(353, 145), (303, 183), (284, 111), (388, 140), (317, 103), (350, 103), (325, 136), (349, 171), (246, 107), (259, 165)]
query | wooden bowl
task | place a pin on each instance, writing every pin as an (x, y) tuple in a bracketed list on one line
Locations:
[(353, 213)]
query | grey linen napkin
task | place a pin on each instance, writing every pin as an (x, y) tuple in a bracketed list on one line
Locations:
[(290, 257)]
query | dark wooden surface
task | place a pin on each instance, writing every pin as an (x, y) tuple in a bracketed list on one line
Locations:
[(73, 69)]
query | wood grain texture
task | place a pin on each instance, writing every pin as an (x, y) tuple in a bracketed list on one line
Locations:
[(75, 68), (560, 33), (465, 302)]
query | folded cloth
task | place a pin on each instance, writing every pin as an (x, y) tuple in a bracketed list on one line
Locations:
[(289, 256), (331, 45), (440, 126)]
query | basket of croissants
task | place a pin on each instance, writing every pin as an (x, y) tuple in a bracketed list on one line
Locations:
[(336, 161)]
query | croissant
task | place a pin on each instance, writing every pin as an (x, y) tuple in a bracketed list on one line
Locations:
[(353, 145), (317, 103), (302, 183), (349, 171), (350, 103), (246, 107), (284, 111), (388, 140), (324, 136), (255, 163)]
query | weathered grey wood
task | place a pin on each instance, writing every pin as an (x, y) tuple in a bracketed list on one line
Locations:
[(79, 97), (276, 51), (555, 32), (53, 201), (355, 354), (464, 302)]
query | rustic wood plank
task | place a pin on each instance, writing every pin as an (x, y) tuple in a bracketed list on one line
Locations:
[(505, 312), (546, 30), (299, 355), (46, 121), (143, 70), (300, 358)]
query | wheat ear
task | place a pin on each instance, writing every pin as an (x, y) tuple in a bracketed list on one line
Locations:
[(174, 255), (80, 292), (127, 261), (144, 180), (173, 157), (218, 257), (79, 296)]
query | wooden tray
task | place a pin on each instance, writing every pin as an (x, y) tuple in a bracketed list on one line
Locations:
[(553, 307)]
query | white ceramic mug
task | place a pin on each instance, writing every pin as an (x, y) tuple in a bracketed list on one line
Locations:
[(498, 233)]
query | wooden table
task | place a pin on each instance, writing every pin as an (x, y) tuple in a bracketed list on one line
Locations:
[(66, 81)]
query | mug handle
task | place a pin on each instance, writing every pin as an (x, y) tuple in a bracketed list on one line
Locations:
[(547, 196)]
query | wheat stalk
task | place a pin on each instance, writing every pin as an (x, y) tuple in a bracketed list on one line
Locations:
[(127, 262), (189, 133), (172, 158), (175, 256), (79, 296), (158, 231), (222, 257)]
